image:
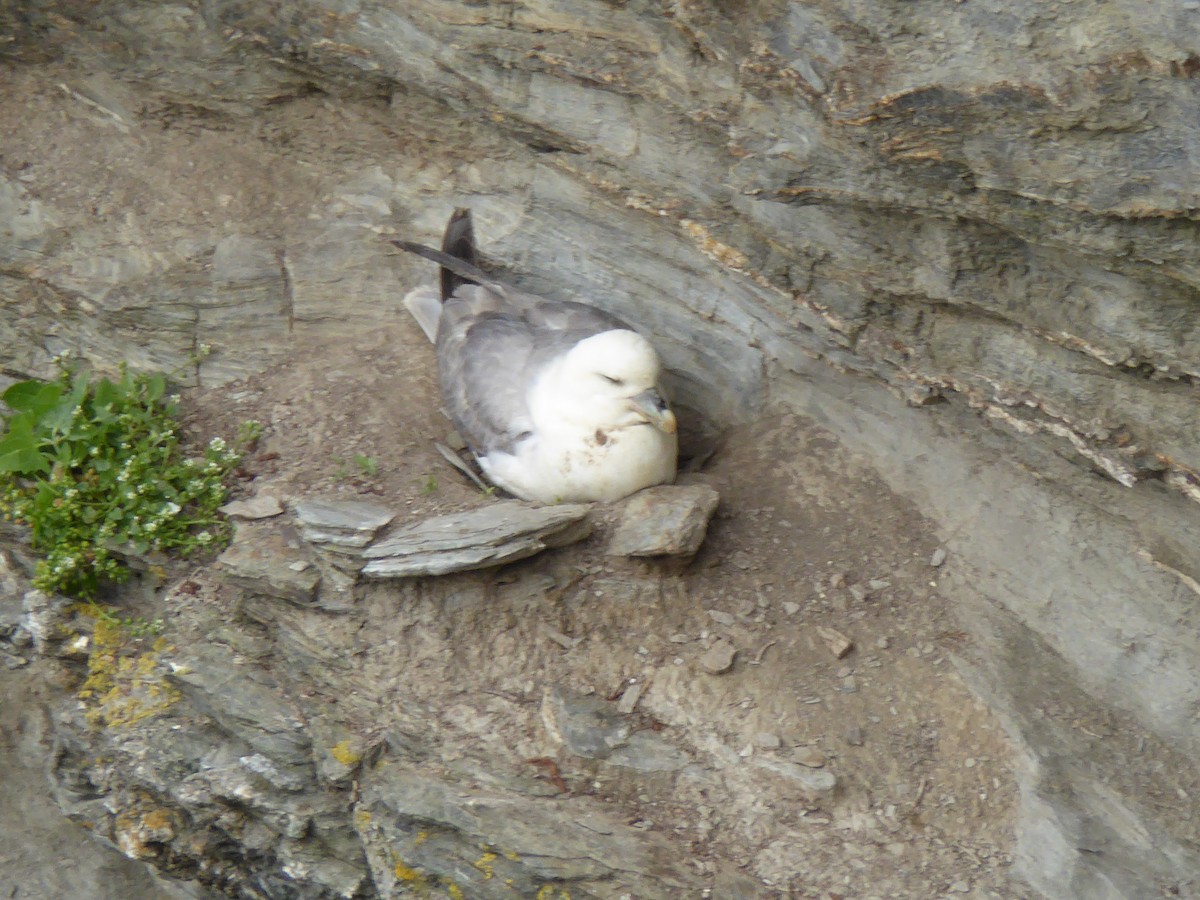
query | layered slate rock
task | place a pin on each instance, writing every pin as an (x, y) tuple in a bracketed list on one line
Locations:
[(263, 561), (476, 539), (341, 526)]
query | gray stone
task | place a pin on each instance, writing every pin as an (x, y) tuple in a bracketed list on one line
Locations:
[(718, 658), (839, 645), (262, 561), (244, 701), (587, 726), (810, 757), (343, 525), (645, 751), (260, 506), (767, 740), (588, 848), (937, 557), (670, 520), (629, 698), (487, 536), (813, 783)]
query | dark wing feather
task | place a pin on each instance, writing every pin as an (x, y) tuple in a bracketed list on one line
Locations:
[(492, 343)]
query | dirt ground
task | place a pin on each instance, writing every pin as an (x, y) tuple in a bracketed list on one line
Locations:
[(806, 538)]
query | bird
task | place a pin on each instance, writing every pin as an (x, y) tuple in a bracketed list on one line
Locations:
[(558, 401)]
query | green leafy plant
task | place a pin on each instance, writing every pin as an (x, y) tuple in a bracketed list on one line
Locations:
[(366, 465), (95, 467)]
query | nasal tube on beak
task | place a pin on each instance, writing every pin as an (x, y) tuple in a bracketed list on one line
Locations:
[(652, 405)]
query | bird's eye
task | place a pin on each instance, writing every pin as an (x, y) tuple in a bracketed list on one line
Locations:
[(617, 381)]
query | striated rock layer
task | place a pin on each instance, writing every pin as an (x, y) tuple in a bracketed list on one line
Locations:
[(988, 210)]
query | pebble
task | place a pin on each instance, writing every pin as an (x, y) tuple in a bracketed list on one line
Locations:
[(837, 580), (791, 608), (718, 658), (854, 736), (938, 557), (262, 506), (883, 643), (768, 741), (810, 757), (858, 592), (720, 617), (839, 645), (815, 783), (961, 887), (629, 699), (878, 584), (680, 639)]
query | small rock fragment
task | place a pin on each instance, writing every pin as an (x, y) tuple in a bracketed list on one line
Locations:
[(938, 557), (718, 658), (810, 757), (766, 740), (961, 887), (629, 699), (261, 506), (564, 641), (854, 736), (839, 645), (858, 592), (670, 520), (587, 726), (811, 782), (837, 580), (720, 617), (680, 639), (791, 608), (878, 584)]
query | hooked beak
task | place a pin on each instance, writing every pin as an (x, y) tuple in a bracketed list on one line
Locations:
[(651, 405)]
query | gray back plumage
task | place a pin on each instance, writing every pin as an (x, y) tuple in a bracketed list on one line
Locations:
[(492, 343)]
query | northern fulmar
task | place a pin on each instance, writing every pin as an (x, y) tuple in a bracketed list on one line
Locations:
[(558, 401)]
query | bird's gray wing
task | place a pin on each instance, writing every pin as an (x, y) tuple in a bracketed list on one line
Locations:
[(492, 344)]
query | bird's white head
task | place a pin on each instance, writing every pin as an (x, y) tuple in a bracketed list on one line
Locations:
[(610, 380)]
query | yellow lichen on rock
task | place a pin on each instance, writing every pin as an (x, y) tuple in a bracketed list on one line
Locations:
[(344, 753), (484, 863), (123, 686)]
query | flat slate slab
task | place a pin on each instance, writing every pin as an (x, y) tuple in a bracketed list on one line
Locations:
[(345, 525), (475, 539)]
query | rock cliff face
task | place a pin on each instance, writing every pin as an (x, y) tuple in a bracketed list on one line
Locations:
[(962, 238)]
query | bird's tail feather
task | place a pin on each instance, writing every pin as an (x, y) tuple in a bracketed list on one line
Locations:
[(458, 242), (458, 257)]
